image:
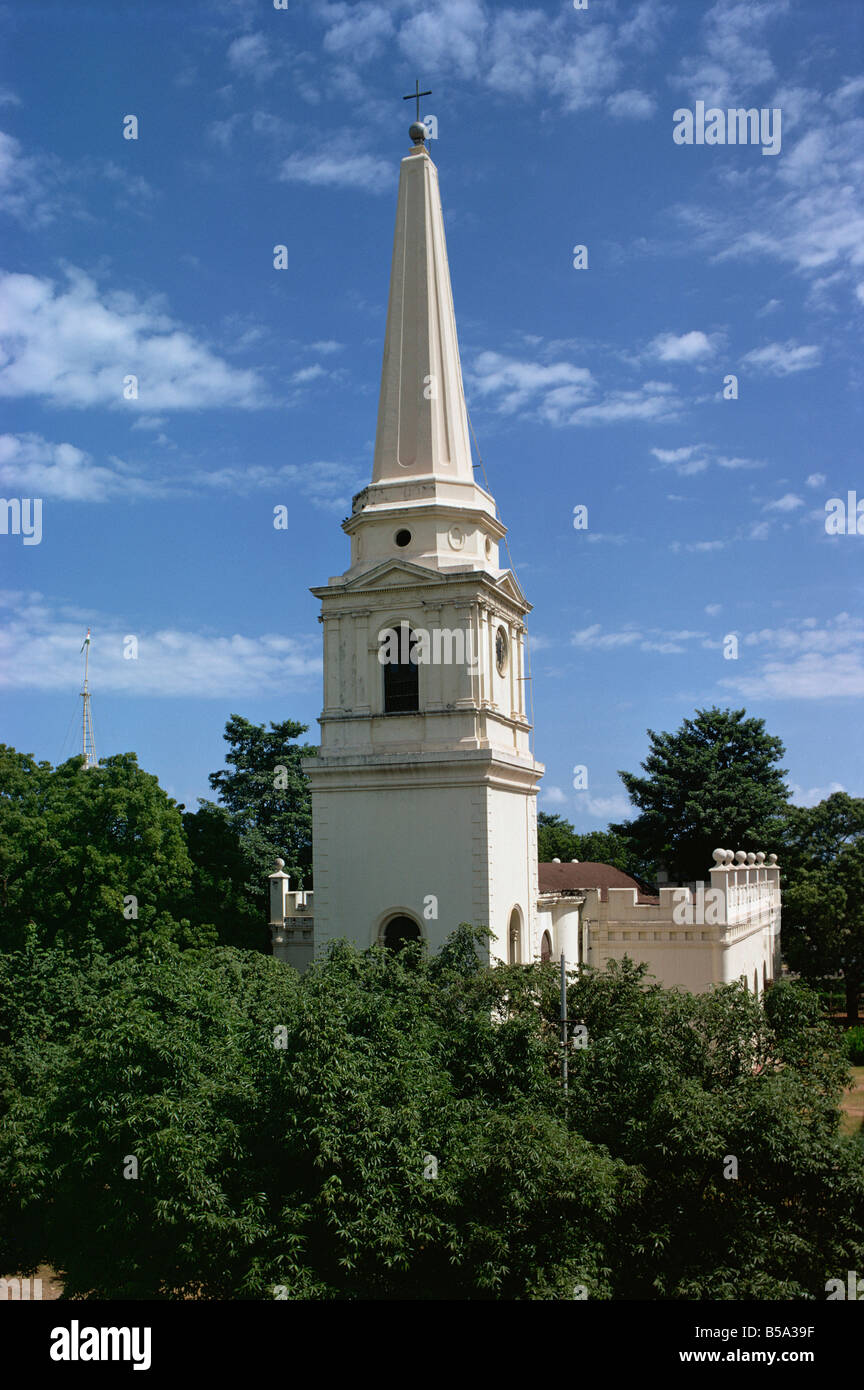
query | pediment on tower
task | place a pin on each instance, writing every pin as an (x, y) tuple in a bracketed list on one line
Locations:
[(393, 574), (507, 585)]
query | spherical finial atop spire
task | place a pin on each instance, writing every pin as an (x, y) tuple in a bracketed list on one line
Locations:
[(417, 131)]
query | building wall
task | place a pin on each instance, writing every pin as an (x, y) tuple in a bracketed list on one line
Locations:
[(726, 929), (381, 851), (512, 860)]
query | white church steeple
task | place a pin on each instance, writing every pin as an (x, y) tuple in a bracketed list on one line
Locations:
[(423, 489), (424, 787), (422, 421)]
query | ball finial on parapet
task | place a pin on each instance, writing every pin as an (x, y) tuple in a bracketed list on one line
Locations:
[(417, 131), (719, 857)]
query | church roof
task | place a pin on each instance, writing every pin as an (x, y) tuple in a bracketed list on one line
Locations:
[(562, 878)]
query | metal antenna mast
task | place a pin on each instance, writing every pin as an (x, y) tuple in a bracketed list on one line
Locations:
[(88, 746)]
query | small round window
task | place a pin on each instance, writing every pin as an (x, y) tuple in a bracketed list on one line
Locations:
[(501, 646), (403, 538)]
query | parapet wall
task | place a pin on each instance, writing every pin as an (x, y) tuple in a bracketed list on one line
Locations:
[(291, 920), (697, 935)]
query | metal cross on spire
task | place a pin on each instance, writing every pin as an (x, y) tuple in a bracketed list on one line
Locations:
[(416, 95)]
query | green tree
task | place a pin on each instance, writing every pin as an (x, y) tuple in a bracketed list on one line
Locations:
[(677, 1085), (285, 1132), (266, 793), (219, 897), (90, 853), (556, 839), (823, 899), (715, 782), (395, 1127)]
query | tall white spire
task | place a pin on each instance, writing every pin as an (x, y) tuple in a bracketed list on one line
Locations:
[(422, 420), (423, 504)]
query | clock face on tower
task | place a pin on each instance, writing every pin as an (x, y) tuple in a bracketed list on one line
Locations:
[(501, 650)]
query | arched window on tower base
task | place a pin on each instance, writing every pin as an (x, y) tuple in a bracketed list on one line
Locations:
[(514, 938), (398, 932)]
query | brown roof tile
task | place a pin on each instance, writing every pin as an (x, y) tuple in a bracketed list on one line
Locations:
[(559, 878)]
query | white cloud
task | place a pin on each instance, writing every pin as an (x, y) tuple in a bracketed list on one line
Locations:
[(595, 639), (517, 52), (38, 189), (36, 467), (609, 807), (789, 502), (698, 547), (560, 394), (805, 661), (517, 382), (816, 480), (33, 467), (847, 93), (733, 59), (807, 210), (782, 359), (695, 458), (364, 171), (686, 461), (73, 347), (712, 609), (631, 105), (681, 455), (250, 56), (446, 35), (723, 461), (360, 34), (308, 374), (40, 650), (654, 401), (608, 538), (325, 484), (688, 347), (149, 422), (554, 795), (811, 796), (666, 643)]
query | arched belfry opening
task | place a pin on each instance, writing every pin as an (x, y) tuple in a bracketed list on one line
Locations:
[(514, 938), (546, 946), (402, 676), (399, 931)]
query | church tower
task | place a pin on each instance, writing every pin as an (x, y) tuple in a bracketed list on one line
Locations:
[(424, 791)]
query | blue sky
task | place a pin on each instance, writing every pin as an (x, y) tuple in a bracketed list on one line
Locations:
[(603, 386)]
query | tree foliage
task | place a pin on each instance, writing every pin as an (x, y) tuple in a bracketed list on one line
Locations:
[(266, 794), (395, 1127), (715, 782), (823, 898), (556, 839), (78, 844)]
